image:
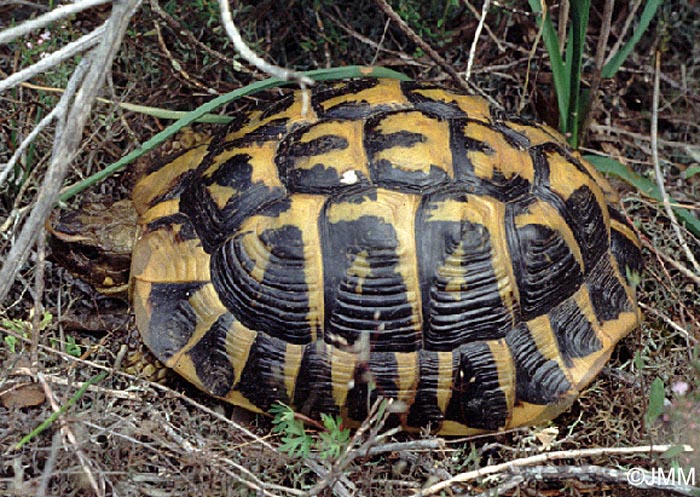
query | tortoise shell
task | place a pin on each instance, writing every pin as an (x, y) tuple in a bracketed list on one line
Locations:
[(393, 240)]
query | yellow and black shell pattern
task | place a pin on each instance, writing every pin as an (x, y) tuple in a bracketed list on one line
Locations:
[(393, 239)]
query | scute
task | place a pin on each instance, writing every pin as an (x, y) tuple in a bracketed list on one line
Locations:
[(397, 240)]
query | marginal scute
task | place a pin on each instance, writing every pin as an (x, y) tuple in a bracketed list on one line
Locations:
[(389, 240)]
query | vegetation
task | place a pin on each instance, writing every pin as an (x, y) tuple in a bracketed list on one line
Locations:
[(176, 58)]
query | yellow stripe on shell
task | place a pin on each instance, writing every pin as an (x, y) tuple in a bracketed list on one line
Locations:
[(345, 160), (159, 257), (239, 341), (506, 372), (292, 363), (526, 414), (292, 115), (543, 336), (626, 231), (475, 107), (163, 179), (263, 169), (406, 377), (343, 364), (160, 210), (511, 162), (565, 179), (387, 92), (432, 150), (207, 309), (537, 134), (445, 379)]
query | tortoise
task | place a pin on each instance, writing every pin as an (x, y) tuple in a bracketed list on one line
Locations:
[(395, 240)]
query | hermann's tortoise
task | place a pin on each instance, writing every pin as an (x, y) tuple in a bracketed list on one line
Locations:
[(395, 240)]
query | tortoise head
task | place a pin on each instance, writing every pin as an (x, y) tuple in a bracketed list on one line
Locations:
[(95, 242)]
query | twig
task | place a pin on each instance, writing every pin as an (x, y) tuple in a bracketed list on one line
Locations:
[(629, 19), (27, 141), (80, 45), (475, 41), (675, 263), (49, 465), (183, 30), (599, 63), (563, 22), (251, 57), (39, 284), (391, 13), (587, 473), (502, 45), (601, 128), (657, 167), (668, 321), (376, 418), (85, 463), (61, 12), (69, 130), (541, 458)]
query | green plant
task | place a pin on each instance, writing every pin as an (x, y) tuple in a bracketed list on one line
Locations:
[(297, 442), (185, 119), (22, 328), (567, 70)]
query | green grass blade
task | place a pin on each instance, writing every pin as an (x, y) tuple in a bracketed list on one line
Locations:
[(611, 68), (172, 114), (643, 185), (559, 73), (203, 110), (50, 420), (579, 24)]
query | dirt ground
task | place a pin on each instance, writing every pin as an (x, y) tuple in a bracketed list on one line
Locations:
[(122, 435)]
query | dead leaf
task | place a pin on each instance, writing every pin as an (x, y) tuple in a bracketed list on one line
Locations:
[(23, 395)]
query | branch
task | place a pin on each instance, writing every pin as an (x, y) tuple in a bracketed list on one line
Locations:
[(251, 57), (657, 167), (541, 458), (69, 130), (61, 12)]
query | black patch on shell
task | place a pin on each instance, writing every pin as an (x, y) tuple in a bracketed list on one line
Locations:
[(499, 187), (213, 224), (625, 251), (608, 296), (313, 394), (372, 380), (468, 312), (262, 378), (388, 175), (375, 304), (546, 271), (575, 336), (210, 358), (278, 305), (424, 410), (539, 380), (173, 319), (477, 399)]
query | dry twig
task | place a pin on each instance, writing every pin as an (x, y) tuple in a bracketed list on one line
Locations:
[(56, 14), (541, 458), (475, 41), (252, 57), (69, 129), (432, 53), (657, 167)]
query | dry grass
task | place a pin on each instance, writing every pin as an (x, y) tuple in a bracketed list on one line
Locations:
[(127, 437)]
